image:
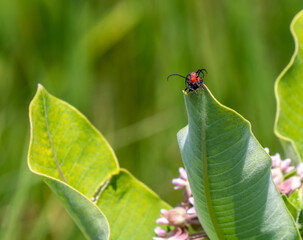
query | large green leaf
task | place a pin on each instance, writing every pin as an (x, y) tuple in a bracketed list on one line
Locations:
[(78, 164), (229, 174), (288, 90)]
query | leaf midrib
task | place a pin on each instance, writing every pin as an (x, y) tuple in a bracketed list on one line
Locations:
[(205, 172), (50, 139)]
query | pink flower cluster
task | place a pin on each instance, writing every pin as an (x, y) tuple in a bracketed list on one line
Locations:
[(181, 216), (282, 167)]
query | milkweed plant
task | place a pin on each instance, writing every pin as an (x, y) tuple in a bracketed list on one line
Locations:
[(233, 188)]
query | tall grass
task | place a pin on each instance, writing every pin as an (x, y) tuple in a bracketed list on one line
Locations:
[(110, 59)]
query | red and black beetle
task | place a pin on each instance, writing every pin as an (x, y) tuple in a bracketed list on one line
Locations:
[(193, 80)]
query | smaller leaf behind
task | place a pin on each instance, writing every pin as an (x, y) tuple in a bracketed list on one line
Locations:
[(131, 207), (288, 91), (294, 210), (90, 220)]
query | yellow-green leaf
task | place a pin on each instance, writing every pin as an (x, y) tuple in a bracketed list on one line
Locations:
[(288, 91), (78, 164)]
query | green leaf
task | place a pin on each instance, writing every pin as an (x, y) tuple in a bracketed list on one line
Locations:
[(78, 164), (229, 174), (295, 198), (135, 207), (86, 215), (59, 133), (294, 211), (288, 91)]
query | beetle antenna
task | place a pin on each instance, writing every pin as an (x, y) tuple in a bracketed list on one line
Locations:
[(176, 75), (201, 71)]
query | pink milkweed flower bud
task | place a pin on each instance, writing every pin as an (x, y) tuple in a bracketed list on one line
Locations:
[(175, 216), (266, 150), (300, 170), (290, 184), (180, 183), (276, 160), (285, 164), (192, 210), (162, 221), (277, 176), (289, 169), (160, 232), (163, 210), (183, 173)]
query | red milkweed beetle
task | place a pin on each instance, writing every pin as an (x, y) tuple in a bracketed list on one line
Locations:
[(192, 81)]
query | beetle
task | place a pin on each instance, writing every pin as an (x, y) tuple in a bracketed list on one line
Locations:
[(193, 80)]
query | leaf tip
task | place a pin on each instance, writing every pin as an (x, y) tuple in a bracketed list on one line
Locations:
[(41, 91), (40, 87)]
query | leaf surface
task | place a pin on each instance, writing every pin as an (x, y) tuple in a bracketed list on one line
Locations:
[(78, 164), (288, 91), (229, 174), (292, 208), (135, 207)]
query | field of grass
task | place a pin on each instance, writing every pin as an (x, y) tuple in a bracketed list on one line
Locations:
[(110, 59)]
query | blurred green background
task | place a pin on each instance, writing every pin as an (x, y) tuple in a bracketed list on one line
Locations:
[(110, 59)]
